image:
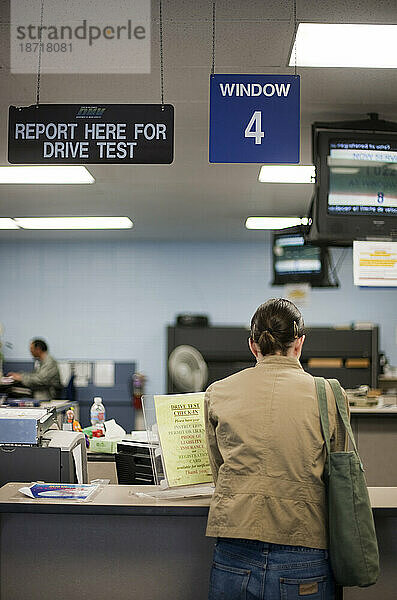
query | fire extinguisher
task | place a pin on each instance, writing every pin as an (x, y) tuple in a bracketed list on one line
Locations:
[(138, 383)]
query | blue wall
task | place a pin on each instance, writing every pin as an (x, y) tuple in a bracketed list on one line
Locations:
[(114, 300)]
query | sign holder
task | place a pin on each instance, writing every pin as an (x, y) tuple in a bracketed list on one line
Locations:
[(176, 436)]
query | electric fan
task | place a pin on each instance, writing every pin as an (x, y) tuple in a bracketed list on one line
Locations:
[(188, 370)]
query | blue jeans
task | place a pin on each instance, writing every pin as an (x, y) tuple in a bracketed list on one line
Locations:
[(253, 570)]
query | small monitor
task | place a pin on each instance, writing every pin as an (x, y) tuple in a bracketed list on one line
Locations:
[(296, 261), (356, 189)]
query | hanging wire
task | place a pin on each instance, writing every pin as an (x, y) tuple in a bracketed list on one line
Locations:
[(40, 52), (213, 38), (295, 32), (340, 260), (334, 268), (161, 56)]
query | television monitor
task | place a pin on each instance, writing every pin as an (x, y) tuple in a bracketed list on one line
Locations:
[(297, 261), (356, 188)]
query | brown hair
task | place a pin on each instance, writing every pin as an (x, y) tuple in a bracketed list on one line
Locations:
[(275, 325)]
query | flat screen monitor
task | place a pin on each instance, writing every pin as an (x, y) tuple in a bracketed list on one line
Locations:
[(297, 261), (356, 189)]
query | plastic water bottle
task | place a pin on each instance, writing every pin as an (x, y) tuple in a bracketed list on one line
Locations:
[(98, 415)]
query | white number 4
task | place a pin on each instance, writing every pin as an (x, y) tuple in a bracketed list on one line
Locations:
[(257, 133)]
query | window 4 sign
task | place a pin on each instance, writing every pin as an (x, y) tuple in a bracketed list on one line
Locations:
[(254, 119), (91, 134)]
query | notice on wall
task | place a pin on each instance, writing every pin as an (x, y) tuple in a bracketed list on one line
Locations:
[(298, 293), (180, 422), (375, 263), (82, 373), (62, 134), (104, 373), (254, 119)]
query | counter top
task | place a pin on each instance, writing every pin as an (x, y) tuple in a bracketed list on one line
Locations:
[(56, 403), (122, 500), (112, 499), (392, 410)]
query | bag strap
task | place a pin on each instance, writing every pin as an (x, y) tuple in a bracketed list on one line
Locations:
[(323, 409), (341, 406)]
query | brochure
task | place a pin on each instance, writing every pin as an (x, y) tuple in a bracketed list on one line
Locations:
[(59, 491)]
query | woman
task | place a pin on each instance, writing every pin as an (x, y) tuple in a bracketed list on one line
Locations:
[(267, 456)]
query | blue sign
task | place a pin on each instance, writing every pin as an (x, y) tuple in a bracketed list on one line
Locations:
[(254, 119)]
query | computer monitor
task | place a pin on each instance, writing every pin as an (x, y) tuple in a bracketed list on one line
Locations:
[(356, 188), (297, 261)]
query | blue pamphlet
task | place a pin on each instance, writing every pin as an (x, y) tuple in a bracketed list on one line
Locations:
[(59, 491)]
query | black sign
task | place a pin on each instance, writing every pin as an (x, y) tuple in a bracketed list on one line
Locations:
[(63, 134)]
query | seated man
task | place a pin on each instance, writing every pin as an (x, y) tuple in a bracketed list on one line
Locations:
[(44, 381)]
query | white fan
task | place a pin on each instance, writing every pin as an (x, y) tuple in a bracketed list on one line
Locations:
[(188, 369)]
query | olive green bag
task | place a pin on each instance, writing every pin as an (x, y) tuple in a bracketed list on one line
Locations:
[(353, 547)]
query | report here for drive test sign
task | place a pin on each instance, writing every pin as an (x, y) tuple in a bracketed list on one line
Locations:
[(254, 119), (96, 134)]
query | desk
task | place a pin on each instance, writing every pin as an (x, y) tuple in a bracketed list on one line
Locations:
[(101, 466), (61, 406), (142, 547), (375, 430)]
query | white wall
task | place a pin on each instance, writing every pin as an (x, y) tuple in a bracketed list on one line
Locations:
[(114, 300)]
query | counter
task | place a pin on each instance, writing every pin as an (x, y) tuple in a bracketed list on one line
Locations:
[(61, 406), (391, 410), (121, 545), (375, 431)]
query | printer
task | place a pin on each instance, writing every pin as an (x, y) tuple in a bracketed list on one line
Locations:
[(32, 448)]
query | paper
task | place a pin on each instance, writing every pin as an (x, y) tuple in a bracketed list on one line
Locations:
[(298, 293), (375, 264), (194, 491), (82, 373), (78, 463), (138, 436), (23, 413), (180, 422), (114, 431), (65, 372), (104, 373), (63, 491)]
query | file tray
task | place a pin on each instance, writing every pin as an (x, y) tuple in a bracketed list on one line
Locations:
[(24, 426)]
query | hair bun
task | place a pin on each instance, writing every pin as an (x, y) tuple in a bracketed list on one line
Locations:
[(286, 326), (263, 335)]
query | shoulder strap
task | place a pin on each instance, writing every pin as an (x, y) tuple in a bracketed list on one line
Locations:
[(341, 407), (323, 409)]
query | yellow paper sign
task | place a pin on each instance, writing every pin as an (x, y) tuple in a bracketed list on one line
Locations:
[(180, 422)]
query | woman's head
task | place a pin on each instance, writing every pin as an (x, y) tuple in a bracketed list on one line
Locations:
[(276, 326)]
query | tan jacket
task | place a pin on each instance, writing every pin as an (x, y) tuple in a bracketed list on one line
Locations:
[(267, 454), (44, 381)]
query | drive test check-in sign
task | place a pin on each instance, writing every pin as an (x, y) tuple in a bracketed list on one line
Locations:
[(94, 134), (254, 119)]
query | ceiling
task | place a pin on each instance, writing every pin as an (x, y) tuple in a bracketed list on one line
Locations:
[(191, 199)]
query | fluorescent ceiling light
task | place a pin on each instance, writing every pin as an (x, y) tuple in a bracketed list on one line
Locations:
[(45, 174), (345, 45), (6, 223), (74, 222), (287, 174), (274, 222)]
